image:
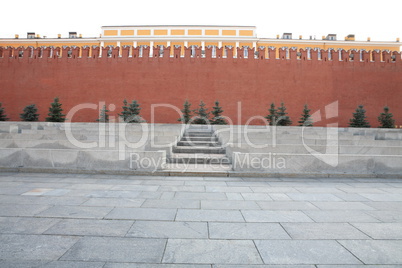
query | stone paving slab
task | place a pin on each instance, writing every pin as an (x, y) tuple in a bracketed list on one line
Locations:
[(21, 210), (381, 230), (359, 266), (43, 200), (211, 251), (386, 215), (114, 249), (262, 266), (375, 251), (75, 264), (342, 206), (246, 231), (256, 196), (90, 227), (34, 247), (156, 265), (340, 216), (25, 225), (178, 203), (166, 229), (313, 197), (217, 204), (209, 215), (114, 202), (22, 264), (304, 252), (75, 212), (385, 205), (162, 214), (323, 231), (286, 205), (275, 216)]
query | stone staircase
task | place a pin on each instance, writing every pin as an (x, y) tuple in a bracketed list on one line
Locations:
[(199, 146)]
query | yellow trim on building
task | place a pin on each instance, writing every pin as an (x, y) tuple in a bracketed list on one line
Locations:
[(233, 44), (126, 44), (211, 32), (144, 32), (211, 44), (110, 32), (160, 43), (229, 32), (245, 33), (160, 32), (177, 32), (110, 44), (143, 44), (194, 32), (127, 32), (194, 43)]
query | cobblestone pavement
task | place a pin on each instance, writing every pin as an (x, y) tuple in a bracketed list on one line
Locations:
[(73, 220)]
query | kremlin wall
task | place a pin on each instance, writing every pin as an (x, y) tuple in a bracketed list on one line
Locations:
[(245, 84)]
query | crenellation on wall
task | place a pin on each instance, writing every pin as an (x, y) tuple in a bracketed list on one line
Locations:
[(261, 53), (85, 54), (176, 52), (386, 56), (126, 52), (282, 53), (396, 56), (272, 53)]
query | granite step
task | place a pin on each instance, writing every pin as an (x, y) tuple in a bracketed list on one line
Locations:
[(200, 149), (218, 159)]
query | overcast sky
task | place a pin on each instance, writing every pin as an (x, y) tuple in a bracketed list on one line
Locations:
[(381, 20)]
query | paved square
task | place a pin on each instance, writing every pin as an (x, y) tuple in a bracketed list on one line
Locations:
[(110, 221)]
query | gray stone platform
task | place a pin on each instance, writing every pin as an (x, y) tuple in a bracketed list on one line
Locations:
[(77, 220), (163, 149)]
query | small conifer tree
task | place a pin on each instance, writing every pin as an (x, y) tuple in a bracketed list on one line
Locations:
[(103, 116), (125, 113), (359, 118), (386, 119), (272, 116), (55, 110), (305, 119), (29, 113), (217, 118), (186, 113), (3, 116), (202, 114), (283, 119), (131, 112)]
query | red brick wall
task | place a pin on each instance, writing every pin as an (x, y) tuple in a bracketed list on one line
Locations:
[(37, 78)]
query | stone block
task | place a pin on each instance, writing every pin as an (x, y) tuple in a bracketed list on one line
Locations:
[(14, 129), (11, 158), (34, 247), (167, 229), (113, 249), (219, 251), (304, 252)]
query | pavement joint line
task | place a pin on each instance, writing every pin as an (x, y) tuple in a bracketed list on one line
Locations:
[(280, 223), (259, 253), (336, 240), (361, 231)]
